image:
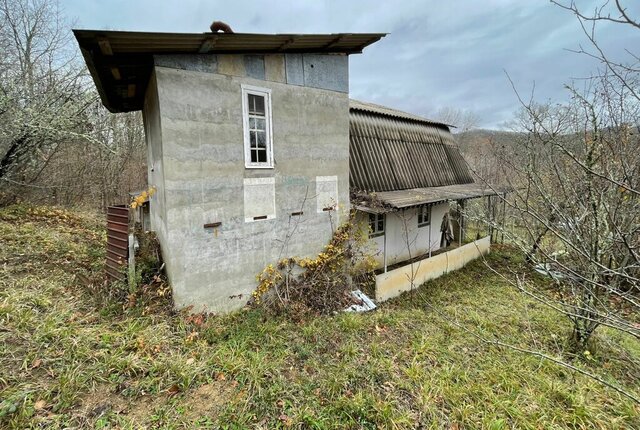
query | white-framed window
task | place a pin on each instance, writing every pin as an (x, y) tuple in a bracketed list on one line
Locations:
[(376, 225), (424, 216), (256, 118)]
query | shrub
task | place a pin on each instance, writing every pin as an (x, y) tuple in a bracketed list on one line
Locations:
[(319, 285)]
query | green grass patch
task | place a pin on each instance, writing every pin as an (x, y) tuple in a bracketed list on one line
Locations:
[(70, 356)]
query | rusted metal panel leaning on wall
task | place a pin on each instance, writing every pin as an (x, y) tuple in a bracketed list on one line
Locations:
[(398, 281), (117, 242)]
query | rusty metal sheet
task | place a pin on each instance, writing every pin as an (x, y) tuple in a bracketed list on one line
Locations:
[(117, 242)]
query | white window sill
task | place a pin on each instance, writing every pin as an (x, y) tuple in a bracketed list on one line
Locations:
[(259, 167)]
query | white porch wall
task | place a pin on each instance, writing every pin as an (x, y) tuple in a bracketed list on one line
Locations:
[(397, 250)]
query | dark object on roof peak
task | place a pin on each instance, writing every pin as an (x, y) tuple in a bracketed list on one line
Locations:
[(217, 26)]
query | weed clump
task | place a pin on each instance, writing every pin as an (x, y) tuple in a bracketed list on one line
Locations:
[(320, 285), (150, 289)]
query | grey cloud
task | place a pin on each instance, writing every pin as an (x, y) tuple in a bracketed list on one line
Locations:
[(437, 54)]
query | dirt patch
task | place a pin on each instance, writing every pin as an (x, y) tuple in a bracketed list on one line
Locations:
[(103, 400), (207, 400)]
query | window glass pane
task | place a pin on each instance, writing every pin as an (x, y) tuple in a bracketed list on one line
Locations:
[(253, 139), (380, 223), (256, 104), (262, 139), (252, 123), (262, 155), (254, 156), (260, 124)]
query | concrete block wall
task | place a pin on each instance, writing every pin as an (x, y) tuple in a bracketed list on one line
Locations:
[(199, 131), (155, 171)]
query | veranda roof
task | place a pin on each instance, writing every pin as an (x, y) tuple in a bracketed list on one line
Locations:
[(389, 201)]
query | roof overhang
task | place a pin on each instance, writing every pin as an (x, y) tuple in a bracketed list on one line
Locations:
[(390, 201), (121, 62)]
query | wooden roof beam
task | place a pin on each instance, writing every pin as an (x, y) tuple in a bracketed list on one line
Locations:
[(208, 44), (335, 41), (105, 46), (287, 43)]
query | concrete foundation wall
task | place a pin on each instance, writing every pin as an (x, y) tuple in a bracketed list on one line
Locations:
[(204, 175), (397, 250), (395, 282)]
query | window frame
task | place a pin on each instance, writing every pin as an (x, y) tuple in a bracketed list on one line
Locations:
[(421, 213), (266, 93), (375, 232)]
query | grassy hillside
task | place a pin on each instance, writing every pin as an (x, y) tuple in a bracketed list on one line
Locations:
[(71, 356)]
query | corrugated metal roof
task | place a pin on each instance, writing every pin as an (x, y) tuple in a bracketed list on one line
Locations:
[(120, 62), (387, 111), (419, 196), (390, 153)]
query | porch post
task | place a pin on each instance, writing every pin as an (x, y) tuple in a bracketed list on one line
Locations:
[(430, 226), (504, 216), (490, 215), (460, 222), (384, 246), (463, 222)]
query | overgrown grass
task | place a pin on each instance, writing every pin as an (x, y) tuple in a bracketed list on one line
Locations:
[(72, 357)]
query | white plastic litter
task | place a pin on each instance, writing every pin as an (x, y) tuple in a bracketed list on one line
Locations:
[(366, 303)]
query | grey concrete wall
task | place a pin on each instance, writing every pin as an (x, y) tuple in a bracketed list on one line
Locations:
[(397, 250), (203, 174), (155, 171)]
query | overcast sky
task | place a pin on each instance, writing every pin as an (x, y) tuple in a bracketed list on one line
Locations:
[(437, 54)]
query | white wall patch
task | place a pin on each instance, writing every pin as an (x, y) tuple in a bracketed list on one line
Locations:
[(259, 199), (326, 193)]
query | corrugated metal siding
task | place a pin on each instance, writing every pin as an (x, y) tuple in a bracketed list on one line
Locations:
[(389, 153), (117, 242)]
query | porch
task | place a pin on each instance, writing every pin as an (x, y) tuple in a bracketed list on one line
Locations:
[(406, 276), (410, 254)]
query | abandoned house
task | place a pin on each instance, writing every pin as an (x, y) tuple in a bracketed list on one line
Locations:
[(249, 135)]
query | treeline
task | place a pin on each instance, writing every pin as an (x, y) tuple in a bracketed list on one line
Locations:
[(58, 144)]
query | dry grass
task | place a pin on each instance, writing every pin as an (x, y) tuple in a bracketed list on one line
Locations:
[(72, 357)]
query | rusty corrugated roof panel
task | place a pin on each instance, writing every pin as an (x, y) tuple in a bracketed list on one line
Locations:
[(389, 152), (120, 62)]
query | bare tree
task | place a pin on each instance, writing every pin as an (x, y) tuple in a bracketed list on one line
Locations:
[(43, 93), (576, 181), (57, 143), (462, 119)]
